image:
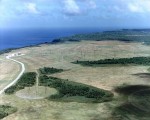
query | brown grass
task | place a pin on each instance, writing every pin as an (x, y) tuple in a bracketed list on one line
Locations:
[(8, 71), (60, 56)]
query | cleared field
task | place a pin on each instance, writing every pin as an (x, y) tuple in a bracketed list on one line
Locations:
[(8, 71), (60, 56), (36, 92)]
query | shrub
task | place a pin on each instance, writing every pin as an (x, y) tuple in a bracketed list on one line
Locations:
[(68, 88), (26, 80), (48, 70), (6, 110), (123, 61)]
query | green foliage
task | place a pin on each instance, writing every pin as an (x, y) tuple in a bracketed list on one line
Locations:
[(68, 89), (48, 70), (122, 61), (26, 80), (6, 110)]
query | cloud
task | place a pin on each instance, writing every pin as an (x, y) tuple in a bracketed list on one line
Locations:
[(91, 4), (134, 7), (78, 7), (32, 8), (139, 6), (71, 7)]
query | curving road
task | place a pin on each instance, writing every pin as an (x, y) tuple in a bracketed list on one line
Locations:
[(15, 80)]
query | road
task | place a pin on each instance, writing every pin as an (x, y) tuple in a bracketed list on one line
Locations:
[(17, 78)]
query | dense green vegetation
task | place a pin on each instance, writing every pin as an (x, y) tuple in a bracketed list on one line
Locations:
[(48, 70), (27, 80), (6, 110), (122, 61), (127, 35), (68, 89)]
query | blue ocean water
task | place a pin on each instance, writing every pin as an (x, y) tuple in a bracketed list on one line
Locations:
[(15, 38)]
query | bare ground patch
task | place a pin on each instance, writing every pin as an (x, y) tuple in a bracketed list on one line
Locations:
[(35, 92)]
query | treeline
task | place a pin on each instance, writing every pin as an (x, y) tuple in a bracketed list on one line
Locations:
[(6, 110), (68, 88), (121, 35), (123, 61), (27, 80), (48, 70)]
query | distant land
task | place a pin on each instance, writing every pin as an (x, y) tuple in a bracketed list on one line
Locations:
[(126, 35)]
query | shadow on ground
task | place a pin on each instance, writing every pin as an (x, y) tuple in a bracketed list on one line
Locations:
[(126, 110), (133, 108), (129, 89), (143, 75)]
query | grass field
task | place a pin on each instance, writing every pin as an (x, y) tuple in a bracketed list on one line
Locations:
[(8, 70), (60, 56)]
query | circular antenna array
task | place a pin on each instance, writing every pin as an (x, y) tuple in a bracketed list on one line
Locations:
[(36, 92)]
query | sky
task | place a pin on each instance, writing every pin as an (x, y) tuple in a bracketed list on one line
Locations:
[(74, 13)]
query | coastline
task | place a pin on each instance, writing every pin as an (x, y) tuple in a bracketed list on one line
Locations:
[(125, 35), (7, 50), (54, 41)]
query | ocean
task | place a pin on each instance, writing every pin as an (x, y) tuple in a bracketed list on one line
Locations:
[(15, 38)]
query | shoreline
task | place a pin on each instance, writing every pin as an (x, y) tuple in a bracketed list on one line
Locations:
[(96, 36), (7, 50), (54, 41)]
